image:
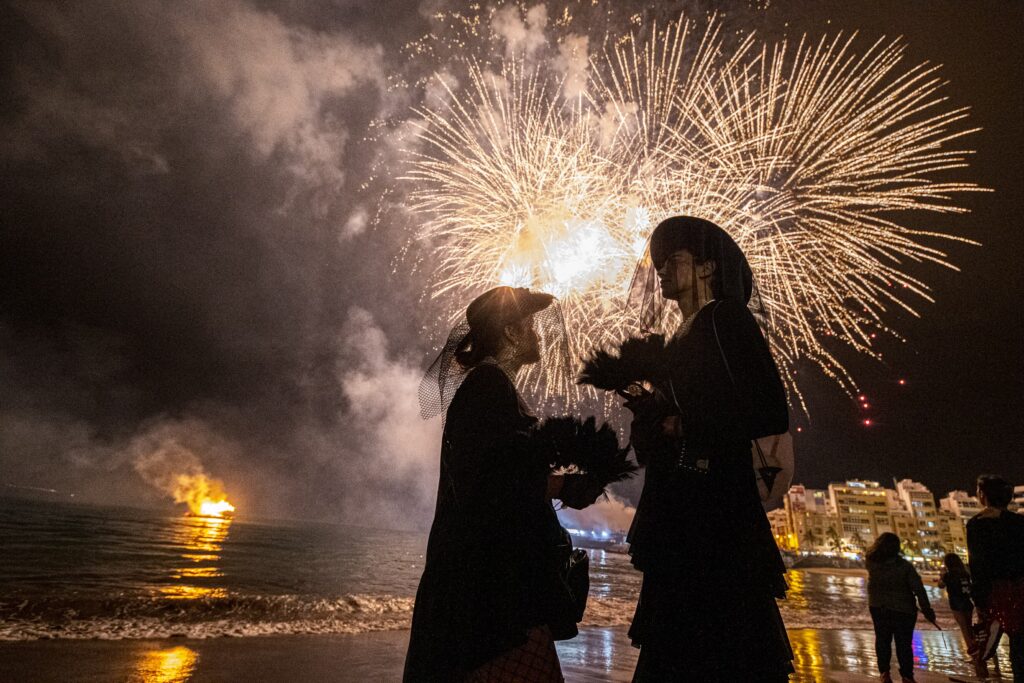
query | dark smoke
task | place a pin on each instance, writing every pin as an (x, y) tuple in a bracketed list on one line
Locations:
[(188, 256)]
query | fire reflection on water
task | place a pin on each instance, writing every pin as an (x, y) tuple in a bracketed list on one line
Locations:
[(202, 538), (173, 665)]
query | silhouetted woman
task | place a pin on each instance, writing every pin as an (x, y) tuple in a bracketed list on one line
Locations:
[(711, 569), (995, 545), (893, 584), (957, 581), (491, 596)]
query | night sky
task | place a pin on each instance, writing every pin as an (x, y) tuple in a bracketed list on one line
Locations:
[(194, 262)]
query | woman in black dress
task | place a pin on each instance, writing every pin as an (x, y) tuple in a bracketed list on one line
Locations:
[(711, 568), (491, 599)]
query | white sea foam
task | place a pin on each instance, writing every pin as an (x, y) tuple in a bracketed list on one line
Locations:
[(609, 612), (612, 611), (237, 617), (348, 615)]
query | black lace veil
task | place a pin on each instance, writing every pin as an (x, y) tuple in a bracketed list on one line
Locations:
[(477, 338), (733, 278)]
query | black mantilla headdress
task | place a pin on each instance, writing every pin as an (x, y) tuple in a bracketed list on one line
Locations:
[(732, 278), (479, 337)]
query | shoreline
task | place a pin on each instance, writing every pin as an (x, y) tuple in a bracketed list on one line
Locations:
[(597, 654)]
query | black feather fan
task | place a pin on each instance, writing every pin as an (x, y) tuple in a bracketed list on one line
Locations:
[(637, 359), (586, 447)]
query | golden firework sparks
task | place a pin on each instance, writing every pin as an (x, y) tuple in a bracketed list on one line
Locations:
[(807, 155)]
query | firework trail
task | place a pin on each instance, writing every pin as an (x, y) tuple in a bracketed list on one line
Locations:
[(549, 168)]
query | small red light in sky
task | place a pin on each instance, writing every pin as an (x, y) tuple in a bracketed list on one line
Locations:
[(867, 423), (865, 406), (902, 382), (862, 397)]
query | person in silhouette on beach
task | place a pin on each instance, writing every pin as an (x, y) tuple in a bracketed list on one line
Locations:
[(955, 578), (995, 546), (711, 568), (491, 600), (893, 586)]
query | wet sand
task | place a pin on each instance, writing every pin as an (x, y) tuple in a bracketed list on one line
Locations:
[(598, 654)]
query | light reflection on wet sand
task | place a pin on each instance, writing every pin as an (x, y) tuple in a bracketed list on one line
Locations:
[(597, 654), (170, 665), (605, 654)]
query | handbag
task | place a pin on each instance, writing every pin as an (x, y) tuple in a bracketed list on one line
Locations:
[(574, 573)]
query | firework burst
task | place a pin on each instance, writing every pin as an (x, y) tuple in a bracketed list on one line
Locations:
[(531, 173), (820, 148)]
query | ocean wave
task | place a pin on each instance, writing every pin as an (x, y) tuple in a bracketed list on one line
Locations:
[(138, 617), (132, 618), (239, 616), (604, 612), (608, 612)]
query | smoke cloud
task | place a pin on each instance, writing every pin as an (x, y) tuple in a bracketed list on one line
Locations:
[(165, 457), (610, 513), (182, 248), (396, 450), (573, 60), (521, 33)]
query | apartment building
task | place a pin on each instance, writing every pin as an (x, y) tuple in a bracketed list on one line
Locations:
[(961, 503), (863, 511), (920, 502), (849, 515)]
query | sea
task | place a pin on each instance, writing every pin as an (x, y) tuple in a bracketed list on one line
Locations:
[(88, 572)]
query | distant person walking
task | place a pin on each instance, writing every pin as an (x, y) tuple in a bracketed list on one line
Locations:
[(995, 543), (893, 585), (957, 581)]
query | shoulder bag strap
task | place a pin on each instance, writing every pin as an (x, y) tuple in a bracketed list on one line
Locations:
[(728, 370)]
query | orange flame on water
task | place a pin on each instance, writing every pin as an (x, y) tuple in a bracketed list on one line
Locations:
[(204, 495), (209, 508)]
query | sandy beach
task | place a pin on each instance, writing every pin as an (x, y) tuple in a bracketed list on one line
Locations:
[(597, 654)]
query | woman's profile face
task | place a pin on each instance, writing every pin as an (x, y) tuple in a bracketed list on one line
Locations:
[(676, 274), (524, 340)]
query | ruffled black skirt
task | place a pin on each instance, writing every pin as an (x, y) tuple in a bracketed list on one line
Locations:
[(712, 573), (692, 632)]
